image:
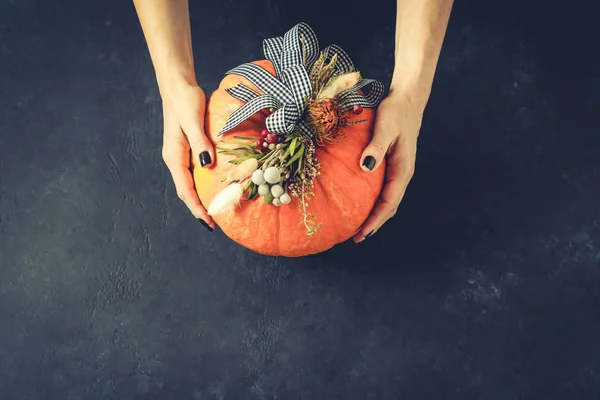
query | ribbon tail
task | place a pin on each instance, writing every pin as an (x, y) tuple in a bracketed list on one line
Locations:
[(248, 110), (242, 92)]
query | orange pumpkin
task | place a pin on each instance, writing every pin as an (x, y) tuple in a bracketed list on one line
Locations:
[(344, 194)]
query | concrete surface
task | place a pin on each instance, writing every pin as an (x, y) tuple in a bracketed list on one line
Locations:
[(485, 285)]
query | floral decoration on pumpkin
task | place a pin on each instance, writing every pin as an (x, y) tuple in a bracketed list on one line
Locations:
[(279, 167)]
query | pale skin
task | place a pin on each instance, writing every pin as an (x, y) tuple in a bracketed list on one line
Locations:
[(420, 30)]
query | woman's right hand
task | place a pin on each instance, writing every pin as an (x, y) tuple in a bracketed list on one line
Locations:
[(184, 106)]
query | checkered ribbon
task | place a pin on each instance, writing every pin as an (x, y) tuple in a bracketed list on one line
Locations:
[(288, 91)]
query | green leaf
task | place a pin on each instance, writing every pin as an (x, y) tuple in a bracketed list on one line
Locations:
[(240, 160), (246, 138), (264, 157), (248, 186), (242, 145), (253, 192), (299, 166), (296, 156), (236, 152), (293, 145), (268, 198)]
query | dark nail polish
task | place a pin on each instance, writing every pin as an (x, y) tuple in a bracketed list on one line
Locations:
[(207, 226), (369, 162), (204, 158), (368, 235)]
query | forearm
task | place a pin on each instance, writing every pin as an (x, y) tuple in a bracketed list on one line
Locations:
[(420, 30), (166, 27)]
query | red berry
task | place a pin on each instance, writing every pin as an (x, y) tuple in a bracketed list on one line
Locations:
[(272, 139), (260, 144), (357, 109), (264, 133)]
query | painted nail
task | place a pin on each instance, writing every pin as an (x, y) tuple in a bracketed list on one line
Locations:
[(368, 235), (204, 158), (207, 226), (369, 162)]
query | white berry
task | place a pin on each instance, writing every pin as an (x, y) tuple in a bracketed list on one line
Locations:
[(272, 175), (276, 190), (276, 202), (264, 190), (285, 198), (258, 177)]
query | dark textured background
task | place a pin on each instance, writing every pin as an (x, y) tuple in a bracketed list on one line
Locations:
[(484, 286)]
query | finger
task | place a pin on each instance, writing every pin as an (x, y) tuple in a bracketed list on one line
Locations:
[(399, 175), (184, 186), (193, 127), (374, 154), (383, 211), (202, 149)]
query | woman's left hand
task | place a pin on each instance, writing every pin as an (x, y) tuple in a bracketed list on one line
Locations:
[(397, 126)]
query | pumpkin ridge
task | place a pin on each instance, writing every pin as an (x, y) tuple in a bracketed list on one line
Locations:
[(365, 186), (325, 195), (362, 177)]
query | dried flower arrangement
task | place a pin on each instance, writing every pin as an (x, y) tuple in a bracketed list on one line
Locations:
[(280, 166), (276, 166)]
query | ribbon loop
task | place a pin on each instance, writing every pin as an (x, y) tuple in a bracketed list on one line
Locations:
[(249, 109), (288, 92), (352, 97), (284, 119)]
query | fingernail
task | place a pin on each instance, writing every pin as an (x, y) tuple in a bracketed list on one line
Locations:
[(368, 235), (204, 158), (207, 226), (369, 162)]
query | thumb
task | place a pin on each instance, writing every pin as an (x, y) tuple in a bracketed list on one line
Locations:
[(193, 126), (202, 148), (374, 153)]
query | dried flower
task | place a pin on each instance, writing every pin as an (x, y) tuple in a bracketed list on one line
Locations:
[(226, 199), (244, 170), (258, 177), (301, 187), (272, 175), (338, 84), (326, 118)]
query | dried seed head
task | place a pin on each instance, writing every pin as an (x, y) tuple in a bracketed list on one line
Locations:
[(226, 199), (339, 84), (244, 170)]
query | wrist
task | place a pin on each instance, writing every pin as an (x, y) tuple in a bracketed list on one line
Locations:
[(411, 88), (174, 80)]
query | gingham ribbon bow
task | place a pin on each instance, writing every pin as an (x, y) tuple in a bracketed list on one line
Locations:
[(288, 91)]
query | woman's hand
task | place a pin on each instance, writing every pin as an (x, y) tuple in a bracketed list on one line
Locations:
[(397, 125), (184, 137), (166, 27), (420, 29)]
